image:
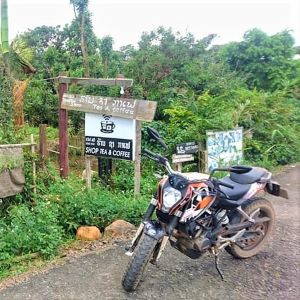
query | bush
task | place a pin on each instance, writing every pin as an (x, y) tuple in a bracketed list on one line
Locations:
[(44, 225), (273, 119), (78, 206), (29, 230)]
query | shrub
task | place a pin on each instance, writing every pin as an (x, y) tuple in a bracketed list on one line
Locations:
[(78, 206), (29, 230)]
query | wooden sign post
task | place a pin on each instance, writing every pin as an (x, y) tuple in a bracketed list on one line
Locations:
[(137, 165), (113, 125), (63, 134), (63, 82)]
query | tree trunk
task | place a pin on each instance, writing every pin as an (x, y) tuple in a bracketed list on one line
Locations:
[(83, 47), (4, 36), (19, 91), (4, 27)]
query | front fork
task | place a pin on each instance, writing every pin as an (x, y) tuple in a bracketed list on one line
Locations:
[(153, 229)]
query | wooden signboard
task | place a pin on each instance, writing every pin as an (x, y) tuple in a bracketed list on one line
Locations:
[(187, 148), (182, 158), (141, 110), (131, 110), (177, 160)]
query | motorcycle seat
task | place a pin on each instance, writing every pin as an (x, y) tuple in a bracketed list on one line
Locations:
[(238, 191), (254, 175)]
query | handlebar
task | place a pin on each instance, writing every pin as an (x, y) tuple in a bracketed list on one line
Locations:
[(158, 158), (153, 155), (164, 161), (162, 143), (148, 153)]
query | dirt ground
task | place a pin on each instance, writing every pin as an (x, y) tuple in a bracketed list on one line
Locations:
[(273, 274)]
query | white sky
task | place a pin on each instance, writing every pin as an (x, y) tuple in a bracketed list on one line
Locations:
[(126, 20)]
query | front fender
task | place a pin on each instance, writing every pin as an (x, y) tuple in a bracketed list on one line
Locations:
[(154, 229)]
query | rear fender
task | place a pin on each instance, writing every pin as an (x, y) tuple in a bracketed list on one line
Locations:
[(275, 189)]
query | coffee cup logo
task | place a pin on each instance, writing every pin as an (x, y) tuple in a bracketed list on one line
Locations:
[(107, 126)]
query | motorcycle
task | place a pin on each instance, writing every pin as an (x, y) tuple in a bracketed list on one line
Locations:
[(197, 215)]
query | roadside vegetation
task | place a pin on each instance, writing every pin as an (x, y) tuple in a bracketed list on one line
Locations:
[(198, 85)]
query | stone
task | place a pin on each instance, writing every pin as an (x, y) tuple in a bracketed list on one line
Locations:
[(119, 228), (88, 233)]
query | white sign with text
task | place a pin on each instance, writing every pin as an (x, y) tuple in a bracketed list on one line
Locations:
[(109, 136)]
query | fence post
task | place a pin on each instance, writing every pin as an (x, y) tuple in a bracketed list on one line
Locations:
[(43, 148), (88, 172), (33, 163), (137, 163), (63, 134)]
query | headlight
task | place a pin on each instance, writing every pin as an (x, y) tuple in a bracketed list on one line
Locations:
[(170, 197)]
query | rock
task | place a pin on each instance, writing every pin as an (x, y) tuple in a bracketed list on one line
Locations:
[(88, 233), (119, 228)]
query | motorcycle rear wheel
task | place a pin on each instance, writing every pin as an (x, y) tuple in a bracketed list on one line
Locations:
[(253, 245), (138, 263)]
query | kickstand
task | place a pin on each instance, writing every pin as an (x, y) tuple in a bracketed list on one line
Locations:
[(217, 266)]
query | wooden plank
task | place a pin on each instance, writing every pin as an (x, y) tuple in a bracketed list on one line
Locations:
[(17, 145), (53, 151), (142, 110), (96, 81), (63, 135), (176, 158), (137, 163)]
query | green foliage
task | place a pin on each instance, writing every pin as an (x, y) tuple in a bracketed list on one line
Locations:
[(5, 105), (41, 103), (272, 118), (8, 162), (41, 227), (266, 61), (97, 207), (29, 230)]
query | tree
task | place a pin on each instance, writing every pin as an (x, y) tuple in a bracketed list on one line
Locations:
[(4, 35), (81, 13), (265, 61), (106, 48)]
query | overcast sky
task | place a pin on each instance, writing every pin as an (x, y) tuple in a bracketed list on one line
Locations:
[(125, 20)]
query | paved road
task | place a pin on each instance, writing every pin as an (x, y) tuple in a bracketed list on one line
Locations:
[(273, 274)]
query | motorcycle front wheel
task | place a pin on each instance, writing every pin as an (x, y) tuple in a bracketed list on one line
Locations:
[(138, 263), (256, 236)]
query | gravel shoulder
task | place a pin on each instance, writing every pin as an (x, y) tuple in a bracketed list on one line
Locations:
[(272, 274)]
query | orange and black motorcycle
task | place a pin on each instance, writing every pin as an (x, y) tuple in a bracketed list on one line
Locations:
[(203, 214)]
